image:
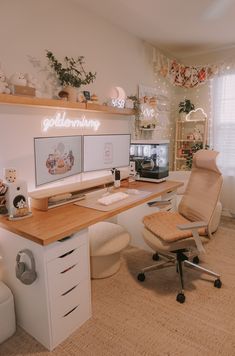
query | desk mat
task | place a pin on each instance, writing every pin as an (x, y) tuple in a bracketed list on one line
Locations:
[(92, 203)]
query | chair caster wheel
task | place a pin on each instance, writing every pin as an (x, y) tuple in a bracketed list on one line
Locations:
[(196, 260), (217, 283), (141, 277), (180, 298), (156, 257)]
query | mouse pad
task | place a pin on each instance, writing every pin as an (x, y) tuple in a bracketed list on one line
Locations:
[(92, 203)]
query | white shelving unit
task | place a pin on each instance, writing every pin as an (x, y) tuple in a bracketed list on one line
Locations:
[(187, 134)]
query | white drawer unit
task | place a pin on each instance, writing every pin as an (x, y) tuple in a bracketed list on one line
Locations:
[(59, 301)]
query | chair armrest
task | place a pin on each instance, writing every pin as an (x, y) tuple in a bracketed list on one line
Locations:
[(192, 225)]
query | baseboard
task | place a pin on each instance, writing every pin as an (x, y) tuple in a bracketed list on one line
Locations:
[(226, 212)]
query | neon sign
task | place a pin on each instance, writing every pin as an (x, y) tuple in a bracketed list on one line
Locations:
[(188, 116), (61, 121)]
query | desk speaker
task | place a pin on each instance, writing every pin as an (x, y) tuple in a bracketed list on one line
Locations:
[(17, 199)]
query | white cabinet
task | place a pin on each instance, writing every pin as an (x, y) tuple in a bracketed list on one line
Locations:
[(59, 301)]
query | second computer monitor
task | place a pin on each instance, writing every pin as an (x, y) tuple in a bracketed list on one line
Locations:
[(101, 152)]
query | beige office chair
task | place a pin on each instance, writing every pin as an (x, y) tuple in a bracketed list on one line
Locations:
[(179, 236)]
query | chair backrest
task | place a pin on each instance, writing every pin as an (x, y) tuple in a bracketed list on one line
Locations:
[(203, 189)]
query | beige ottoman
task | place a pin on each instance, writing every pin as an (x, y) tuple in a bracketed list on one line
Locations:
[(7, 313), (107, 240)]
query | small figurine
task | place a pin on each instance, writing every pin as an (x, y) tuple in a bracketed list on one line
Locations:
[(94, 98), (10, 175)]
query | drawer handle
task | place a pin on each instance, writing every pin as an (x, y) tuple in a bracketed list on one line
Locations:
[(70, 311), (65, 238), (170, 191), (68, 291), (68, 269), (67, 253)]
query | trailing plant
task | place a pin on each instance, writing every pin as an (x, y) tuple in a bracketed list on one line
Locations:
[(136, 103), (72, 73), (186, 106)]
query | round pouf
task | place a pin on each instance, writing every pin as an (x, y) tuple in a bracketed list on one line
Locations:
[(7, 313), (107, 240)]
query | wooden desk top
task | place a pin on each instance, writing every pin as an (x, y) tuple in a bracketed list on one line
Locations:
[(54, 224)]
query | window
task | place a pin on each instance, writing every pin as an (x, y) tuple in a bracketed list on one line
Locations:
[(223, 122)]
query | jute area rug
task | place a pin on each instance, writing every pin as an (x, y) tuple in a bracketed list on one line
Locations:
[(133, 318)]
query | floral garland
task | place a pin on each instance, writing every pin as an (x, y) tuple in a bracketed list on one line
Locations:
[(184, 75)]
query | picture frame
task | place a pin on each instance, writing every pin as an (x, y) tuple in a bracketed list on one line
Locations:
[(87, 95)]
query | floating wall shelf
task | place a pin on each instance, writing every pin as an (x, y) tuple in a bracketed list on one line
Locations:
[(60, 104)]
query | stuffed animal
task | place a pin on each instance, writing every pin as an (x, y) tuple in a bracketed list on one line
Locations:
[(3, 84), (18, 79)]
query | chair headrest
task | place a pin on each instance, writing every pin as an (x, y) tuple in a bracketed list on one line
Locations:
[(206, 159)]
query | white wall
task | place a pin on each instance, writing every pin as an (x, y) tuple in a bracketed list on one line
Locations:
[(28, 28)]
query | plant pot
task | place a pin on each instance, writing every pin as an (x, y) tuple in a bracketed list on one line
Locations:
[(72, 93)]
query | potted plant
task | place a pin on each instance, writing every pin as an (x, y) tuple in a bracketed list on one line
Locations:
[(72, 74), (185, 107)]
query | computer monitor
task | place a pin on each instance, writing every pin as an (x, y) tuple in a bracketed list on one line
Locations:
[(102, 152), (56, 158)]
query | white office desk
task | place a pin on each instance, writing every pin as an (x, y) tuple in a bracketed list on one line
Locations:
[(59, 301)]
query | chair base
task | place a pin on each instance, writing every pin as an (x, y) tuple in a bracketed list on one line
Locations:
[(179, 259)]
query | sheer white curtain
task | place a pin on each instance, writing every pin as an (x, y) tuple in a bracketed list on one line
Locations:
[(223, 134)]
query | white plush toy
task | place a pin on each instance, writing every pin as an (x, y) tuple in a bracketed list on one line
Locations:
[(3, 84), (18, 79)]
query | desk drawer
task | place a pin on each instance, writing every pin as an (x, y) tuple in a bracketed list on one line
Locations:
[(68, 300), (67, 271), (169, 195), (59, 248), (71, 312)]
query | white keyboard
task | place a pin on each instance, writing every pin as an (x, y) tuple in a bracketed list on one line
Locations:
[(112, 198)]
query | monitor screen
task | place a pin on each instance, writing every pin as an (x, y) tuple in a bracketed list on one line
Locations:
[(105, 152), (57, 157)]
